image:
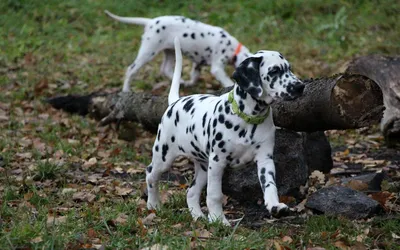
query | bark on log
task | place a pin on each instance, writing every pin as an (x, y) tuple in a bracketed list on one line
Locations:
[(385, 71), (338, 102)]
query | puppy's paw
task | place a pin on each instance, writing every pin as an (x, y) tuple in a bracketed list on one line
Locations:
[(278, 210), (153, 205), (219, 219)]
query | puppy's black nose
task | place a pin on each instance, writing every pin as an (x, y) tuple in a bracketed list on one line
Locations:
[(298, 88)]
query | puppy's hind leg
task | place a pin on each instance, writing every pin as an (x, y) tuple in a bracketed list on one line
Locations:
[(194, 191), (161, 162), (167, 66)]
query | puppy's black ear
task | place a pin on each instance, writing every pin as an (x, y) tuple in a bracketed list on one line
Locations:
[(247, 76)]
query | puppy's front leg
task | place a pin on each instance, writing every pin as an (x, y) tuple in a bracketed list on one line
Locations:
[(214, 190), (266, 175), (218, 70)]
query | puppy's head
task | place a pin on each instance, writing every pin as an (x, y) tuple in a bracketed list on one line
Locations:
[(266, 75), (241, 56)]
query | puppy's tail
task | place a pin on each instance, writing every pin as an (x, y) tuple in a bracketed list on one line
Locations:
[(131, 20), (174, 91)]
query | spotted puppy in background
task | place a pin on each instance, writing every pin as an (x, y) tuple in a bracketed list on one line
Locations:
[(232, 130), (202, 43)]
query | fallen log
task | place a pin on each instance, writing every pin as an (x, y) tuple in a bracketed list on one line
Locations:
[(385, 71), (343, 101)]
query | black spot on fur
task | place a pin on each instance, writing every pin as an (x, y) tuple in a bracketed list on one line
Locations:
[(253, 130), (221, 118), (203, 167), (227, 109), (169, 113), (272, 175), (218, 136), (203, 97), (149, 168), (193, 36), (159, 134), (158, 30), (263, 179), (221, 144), (173, 138), (242, 133), (176, 118), (156, 148), (241, 105), (194, 146), (204, 119), (185, 34), (188, 105), (263, 170), (163, 27), (216, 158), (220, 109), (158, 21), (216, 106), (181, 149), (215, 123), (228, 124), (164, 151)]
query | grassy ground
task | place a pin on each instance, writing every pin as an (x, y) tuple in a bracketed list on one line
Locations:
[(66, 183)]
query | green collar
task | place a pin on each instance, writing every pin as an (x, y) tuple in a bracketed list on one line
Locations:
[(247, 118)]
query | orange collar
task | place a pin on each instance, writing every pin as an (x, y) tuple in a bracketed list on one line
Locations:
[(238, 48)]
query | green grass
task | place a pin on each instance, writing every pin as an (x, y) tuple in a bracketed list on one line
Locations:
[(50, 48)]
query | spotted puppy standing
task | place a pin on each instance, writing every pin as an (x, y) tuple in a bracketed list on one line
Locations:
[(202, 43), (234, 129)]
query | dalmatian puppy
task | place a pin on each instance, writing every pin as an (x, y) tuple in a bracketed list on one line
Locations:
[(232, 130), (202, 43)]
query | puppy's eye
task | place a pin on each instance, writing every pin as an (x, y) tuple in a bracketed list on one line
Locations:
[(274, 70)]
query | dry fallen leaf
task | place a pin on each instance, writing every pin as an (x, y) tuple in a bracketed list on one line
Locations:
[(37, 239), (135, 171), (395, 236), (123, 191), (340, 244), (358, 246), (91, 162), (83, 196), (91, 233), (381, 197), (357, 185), (149, 219), (287, 239), (318, 177), (51, 220)]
